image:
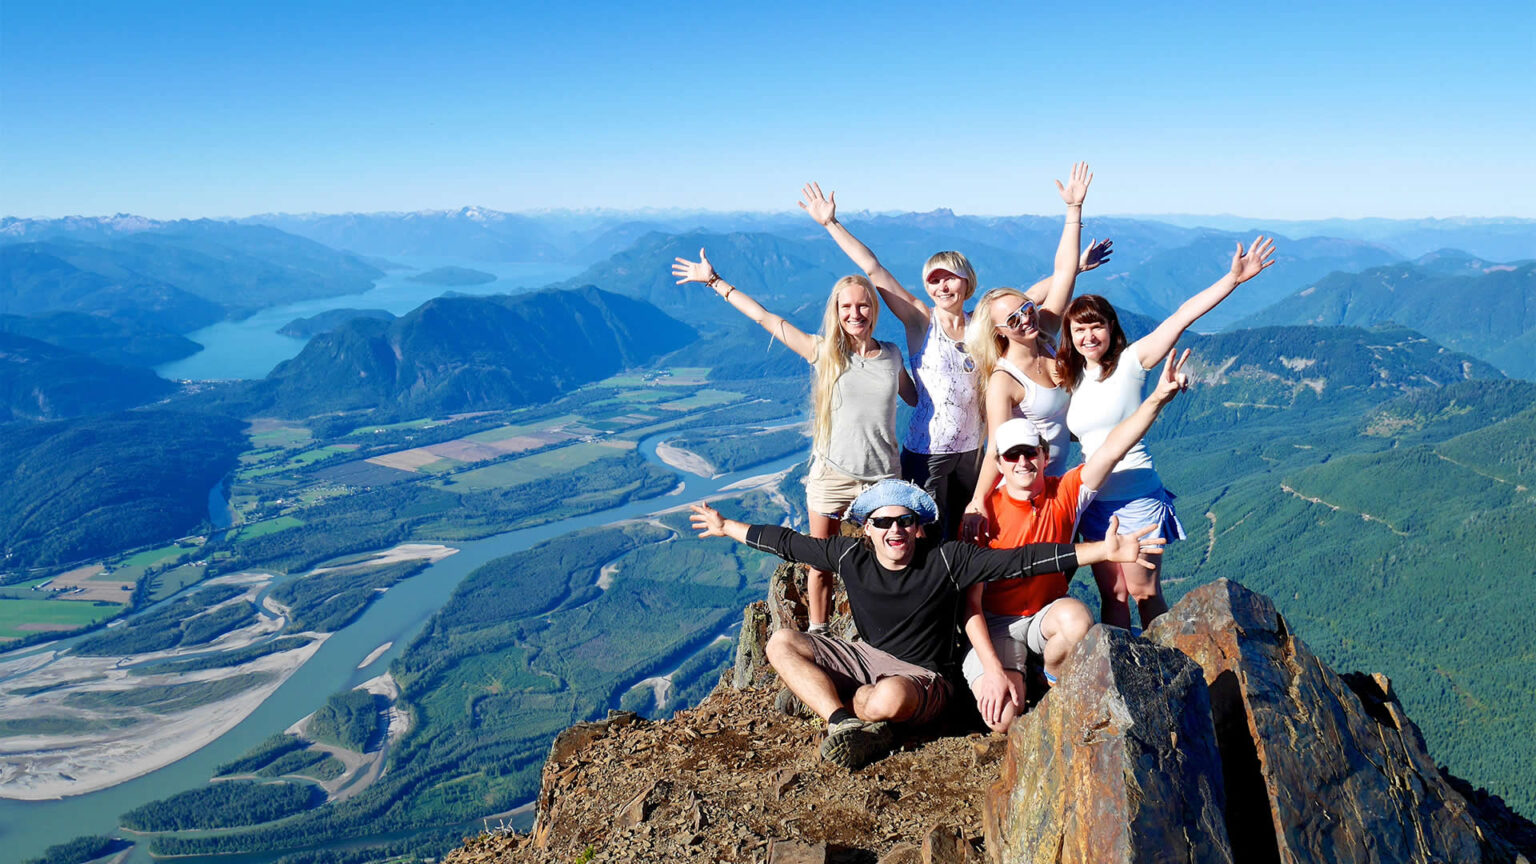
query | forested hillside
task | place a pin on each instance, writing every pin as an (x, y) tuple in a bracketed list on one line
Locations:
[(39, 381), (471, 353), (76, 488), (1397, 536), (122, 341), (1487, 310)]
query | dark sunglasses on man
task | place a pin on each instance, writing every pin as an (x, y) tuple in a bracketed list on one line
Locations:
[(905, 520), (1023, 451)]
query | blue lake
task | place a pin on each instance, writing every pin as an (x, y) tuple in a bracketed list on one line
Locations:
[(251, 347)]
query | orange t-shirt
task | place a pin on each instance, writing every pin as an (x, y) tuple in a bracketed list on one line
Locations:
[(1020, 523)]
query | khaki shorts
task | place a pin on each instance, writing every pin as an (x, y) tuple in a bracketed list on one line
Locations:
[(1014, 638), (828, 491), (852, 665)]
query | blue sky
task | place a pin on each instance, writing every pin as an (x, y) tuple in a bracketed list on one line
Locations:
[(1295, 110)]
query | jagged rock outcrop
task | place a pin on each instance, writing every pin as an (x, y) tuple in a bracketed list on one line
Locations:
[(784, 608), (1331, 762), (1221, 738), (1118, 763)]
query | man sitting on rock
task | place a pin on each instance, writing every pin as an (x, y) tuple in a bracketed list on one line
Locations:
[(904, 590), (1010, 619)]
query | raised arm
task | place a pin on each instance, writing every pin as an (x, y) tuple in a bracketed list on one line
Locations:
[(702, 271), (1058, 291), (1095, 253), (906, 306), (978, 523), (1130, 430), (1245, 266)]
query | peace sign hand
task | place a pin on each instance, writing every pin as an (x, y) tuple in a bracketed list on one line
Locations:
[(1173, 381)]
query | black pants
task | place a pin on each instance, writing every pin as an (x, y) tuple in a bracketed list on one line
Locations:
[(949, 477)]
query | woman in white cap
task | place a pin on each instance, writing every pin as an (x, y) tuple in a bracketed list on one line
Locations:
[(856, 381), (942, 448)]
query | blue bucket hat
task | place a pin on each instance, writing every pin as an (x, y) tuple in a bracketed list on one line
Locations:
[(893, 493)]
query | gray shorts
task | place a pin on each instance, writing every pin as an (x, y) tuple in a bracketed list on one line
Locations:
[(1014, 638), (852, 665)]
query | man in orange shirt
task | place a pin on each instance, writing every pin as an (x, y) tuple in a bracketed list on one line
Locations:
[(1009, 619)]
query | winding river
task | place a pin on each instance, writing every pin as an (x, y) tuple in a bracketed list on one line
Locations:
[(29, 827)]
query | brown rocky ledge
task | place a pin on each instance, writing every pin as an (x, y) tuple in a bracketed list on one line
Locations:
[(1219, 738)]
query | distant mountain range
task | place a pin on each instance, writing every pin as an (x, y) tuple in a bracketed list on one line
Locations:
[(465, 353), (178, 276), (1487, 310)]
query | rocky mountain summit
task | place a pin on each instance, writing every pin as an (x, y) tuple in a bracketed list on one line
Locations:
[(1218, 737)]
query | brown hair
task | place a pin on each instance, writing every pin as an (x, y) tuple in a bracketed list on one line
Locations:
[(1088, 309)]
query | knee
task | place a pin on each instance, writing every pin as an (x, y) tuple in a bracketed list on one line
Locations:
[(784, 644), (1074, 620), (890, 699), (1146, 589)]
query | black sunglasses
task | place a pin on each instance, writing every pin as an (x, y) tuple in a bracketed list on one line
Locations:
[(905, 520), (1023, 451)]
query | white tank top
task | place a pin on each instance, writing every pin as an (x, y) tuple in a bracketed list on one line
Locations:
[(947, 418), (1046, 407)]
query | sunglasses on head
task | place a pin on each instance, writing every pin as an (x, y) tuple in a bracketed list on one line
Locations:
[(1019, 316), (1023, 451), (905, 520)]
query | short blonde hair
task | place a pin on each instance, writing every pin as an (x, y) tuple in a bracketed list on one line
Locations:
[(955, 263)]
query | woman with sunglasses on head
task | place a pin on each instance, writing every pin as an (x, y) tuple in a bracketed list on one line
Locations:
[(1105, 375), (856, 381), (942, 448), (1015, 357)]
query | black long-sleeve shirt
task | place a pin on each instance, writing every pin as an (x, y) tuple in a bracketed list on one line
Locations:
[(911, 613)]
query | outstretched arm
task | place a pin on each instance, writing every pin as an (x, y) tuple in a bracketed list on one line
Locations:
[(978, 523), (912, 311), (1064, 274), (985, 565), (1130, 430), (702, 271), (1245, 266), (820, 553)]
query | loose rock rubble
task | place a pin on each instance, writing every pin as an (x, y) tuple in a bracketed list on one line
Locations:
[(733, 780)]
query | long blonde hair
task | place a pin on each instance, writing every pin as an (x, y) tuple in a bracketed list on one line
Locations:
[(986, 344), (832, 351)]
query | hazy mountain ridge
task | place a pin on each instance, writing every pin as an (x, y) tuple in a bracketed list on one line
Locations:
[(1488, 310), (179, 275), (464, 353), (39, 381), (122, 341)]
